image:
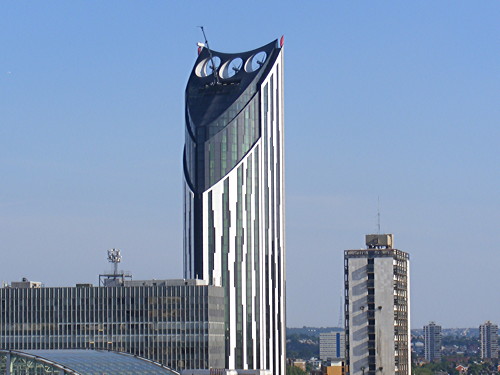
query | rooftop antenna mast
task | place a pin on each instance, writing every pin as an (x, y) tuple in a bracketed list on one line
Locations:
[(114, 257), (117, 277), (378, 214), (214, 68)]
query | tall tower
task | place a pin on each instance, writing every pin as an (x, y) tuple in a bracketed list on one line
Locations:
[(234, 233), (377, 308), (432, 342), (489, 340)]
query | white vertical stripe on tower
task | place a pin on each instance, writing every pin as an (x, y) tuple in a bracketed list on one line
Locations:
[(262, 233), (243, 263), (206, 251), (281, 121), (269, 232), (277, 229), (188, 231), (219, 226), (231, 259), (254, 271)]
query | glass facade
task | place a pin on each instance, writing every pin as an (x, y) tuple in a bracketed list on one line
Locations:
[(85, 362), (207, 162), (180, 326)]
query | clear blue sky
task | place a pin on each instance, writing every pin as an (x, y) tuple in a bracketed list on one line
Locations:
[(397, 100)]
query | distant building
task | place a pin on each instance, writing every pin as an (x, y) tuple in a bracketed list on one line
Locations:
[(377, 308), (418, 348), (178, 323), (299, 363), (331, 345), (315, 363), (432, 342), (334, 368), (489, 340)]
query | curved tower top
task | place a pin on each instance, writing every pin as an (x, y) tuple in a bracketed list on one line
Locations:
[(207, 98), (219, 88)]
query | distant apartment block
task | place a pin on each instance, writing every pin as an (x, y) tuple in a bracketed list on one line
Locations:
[(178, 323), (489, 340), (299, 363), (432, 342), (377, 308), (330, 368), (331, 345)]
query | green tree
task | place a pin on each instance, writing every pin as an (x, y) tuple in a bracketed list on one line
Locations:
[(417, 370), (293, 370), (434, 367)]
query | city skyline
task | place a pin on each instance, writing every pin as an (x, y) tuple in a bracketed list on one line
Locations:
[(382, 100)]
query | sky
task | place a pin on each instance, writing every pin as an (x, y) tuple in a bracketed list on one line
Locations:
[(390, 107)]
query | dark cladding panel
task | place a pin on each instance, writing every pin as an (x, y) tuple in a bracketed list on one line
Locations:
[(216, 113)]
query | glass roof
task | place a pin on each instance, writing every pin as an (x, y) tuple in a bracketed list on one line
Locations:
[(97, 362)]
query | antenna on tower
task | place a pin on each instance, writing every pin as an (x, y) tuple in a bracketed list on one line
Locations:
[(116, 278), (378, 214), (214, 67), (114, 257)]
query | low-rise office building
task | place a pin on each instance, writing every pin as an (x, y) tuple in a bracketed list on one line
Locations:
[(178, 323), (331, 345)]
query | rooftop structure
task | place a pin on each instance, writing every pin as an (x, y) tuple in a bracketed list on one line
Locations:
[(25, 283)]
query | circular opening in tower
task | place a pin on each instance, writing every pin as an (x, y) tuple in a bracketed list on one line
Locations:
[(231, 67), (207, 66), (255, 62)]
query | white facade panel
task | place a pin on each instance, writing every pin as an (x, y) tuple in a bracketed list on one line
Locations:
[(384, 312), (358, 319)]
